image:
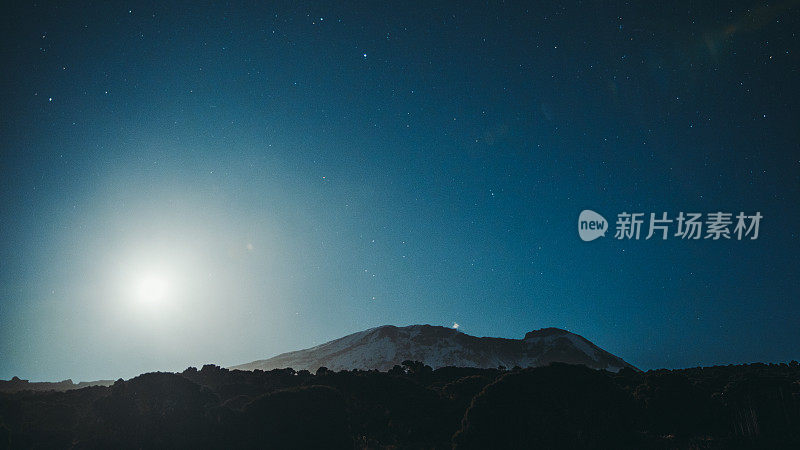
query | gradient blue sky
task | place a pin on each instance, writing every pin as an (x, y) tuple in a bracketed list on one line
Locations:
[(297, 171)]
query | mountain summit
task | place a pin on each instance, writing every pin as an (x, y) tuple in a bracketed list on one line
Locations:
[(383, 347)]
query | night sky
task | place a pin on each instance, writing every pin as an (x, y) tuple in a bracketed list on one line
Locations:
[(216, 183)]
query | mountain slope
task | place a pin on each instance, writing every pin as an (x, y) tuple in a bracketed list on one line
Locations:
[(383, 347)]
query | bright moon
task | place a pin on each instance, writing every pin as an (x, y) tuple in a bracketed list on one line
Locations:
[(152, 281), (152, 289)]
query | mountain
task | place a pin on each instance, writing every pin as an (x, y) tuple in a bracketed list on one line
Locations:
[(383, 347), (15, 385)]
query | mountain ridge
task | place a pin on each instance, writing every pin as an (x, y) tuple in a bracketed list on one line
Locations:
[(384, 346), (15, 384)]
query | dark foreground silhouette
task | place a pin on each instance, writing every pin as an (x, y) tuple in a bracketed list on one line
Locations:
[(412, 406)]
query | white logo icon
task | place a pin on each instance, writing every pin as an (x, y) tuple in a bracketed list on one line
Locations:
[(591, 225)]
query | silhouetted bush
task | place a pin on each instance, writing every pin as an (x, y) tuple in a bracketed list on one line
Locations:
[(764, 409), (413, 406), (296, 418), (676, 406), (560, 406), (5, 436)]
